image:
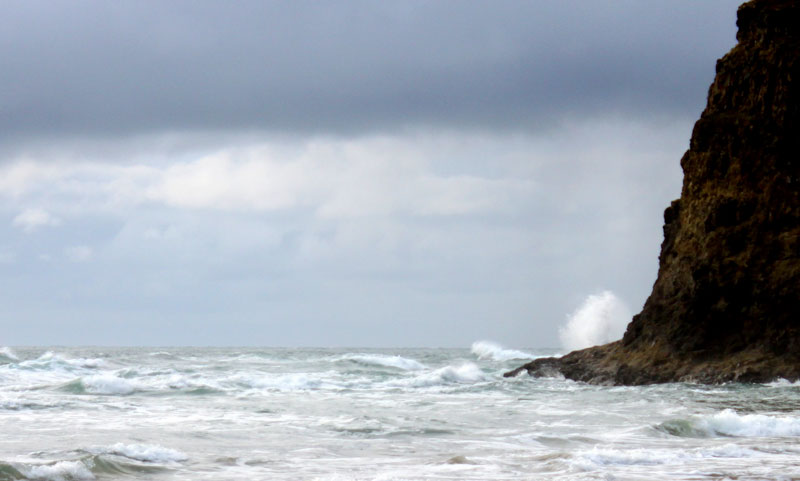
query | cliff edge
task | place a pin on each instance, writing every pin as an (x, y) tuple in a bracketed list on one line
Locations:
[(726, 303)]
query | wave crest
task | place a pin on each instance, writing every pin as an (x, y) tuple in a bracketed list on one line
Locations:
[(467, 373), (496, 352), (7, 355), (398, 362), (149, 453), (729, 423), (60, 471), (101, 384)]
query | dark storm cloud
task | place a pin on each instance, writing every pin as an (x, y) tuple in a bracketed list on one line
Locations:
[(126, 67)]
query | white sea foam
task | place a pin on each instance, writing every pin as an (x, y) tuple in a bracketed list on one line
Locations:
[(623, 457), (150, 453), (600, 319), (278, 420), (60, 471), (7, 354), (729, 423), (783, 383), (108, 384), (56, 362), (466, 373), (280, 382), (496, 352), (608, 456), (398, 362)]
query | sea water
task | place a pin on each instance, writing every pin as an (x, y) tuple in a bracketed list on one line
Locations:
[(372, 414)]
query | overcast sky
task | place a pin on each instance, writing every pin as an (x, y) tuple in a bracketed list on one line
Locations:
[(352, 173)]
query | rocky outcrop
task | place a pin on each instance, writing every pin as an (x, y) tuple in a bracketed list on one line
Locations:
[(726, 303)]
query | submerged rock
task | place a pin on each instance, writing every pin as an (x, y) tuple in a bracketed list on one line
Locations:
[(726, 303)]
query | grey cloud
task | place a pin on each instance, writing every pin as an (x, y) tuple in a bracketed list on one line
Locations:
[(126, 67)]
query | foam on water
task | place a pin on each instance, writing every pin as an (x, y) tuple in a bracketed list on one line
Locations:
[(466, 373), (149, 453), (373, 414), (282, 382), (609, 456), (496, 352), (783, 383), (600, 319), (108, 384), (729, 423), (56, 362), (60, 471), (7, 355), (384, 360)]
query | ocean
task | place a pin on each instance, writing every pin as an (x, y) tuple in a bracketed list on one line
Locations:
[(372, 414)]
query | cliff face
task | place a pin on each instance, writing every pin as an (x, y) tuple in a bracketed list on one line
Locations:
[(726, 303)]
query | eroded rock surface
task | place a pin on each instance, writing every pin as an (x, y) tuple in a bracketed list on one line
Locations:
[(726, 303)]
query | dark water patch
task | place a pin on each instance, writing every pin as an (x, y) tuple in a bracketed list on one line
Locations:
[(683, 428), (9, 473), (460, 460), (32, 406), (365, 431), (227, 461), (565, 442), (432, 432), (202, 391), (109, 464), (73, 387), (184, 391)]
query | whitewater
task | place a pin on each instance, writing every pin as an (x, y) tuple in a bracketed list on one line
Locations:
[(372, 414)]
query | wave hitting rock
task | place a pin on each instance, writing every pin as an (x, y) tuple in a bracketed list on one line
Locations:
[(726, 303)]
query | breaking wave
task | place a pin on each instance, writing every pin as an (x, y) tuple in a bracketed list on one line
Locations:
[(51, 361), (102, 384), (60, 471), (149, 453), (729, 423), (466, 373), (398, 362), (129, 460), (496, 352), (7, 355)]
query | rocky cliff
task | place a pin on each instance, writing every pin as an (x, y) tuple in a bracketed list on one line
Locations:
[(726, 303)]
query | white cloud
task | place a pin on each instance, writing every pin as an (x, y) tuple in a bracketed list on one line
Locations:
[(24, 175), (78, 253), (33, 218), (439, 225), (336, 178)]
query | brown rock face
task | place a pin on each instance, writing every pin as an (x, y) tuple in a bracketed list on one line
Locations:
[(726, 303)]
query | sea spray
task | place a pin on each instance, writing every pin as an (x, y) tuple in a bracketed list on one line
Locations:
[(600, 319), (496, 352)]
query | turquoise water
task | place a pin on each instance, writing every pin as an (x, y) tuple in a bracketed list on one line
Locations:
[(371, 414)]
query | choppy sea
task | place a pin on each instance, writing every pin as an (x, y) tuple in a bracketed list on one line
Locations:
[(372, 414)]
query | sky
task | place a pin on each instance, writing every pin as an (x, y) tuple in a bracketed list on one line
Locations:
[(354, 173)]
